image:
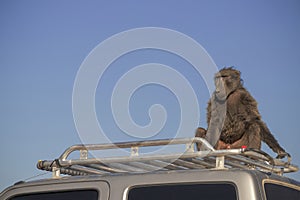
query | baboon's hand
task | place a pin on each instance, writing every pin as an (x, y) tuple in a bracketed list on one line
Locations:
[(282, 154), (200, 132)]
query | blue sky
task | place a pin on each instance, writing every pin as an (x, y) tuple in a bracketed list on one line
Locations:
[(43, 44)]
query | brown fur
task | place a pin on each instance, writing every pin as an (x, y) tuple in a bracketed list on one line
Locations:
[(241, 124)]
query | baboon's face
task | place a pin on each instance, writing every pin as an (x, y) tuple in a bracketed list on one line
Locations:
[(220, 87), (226, 81)]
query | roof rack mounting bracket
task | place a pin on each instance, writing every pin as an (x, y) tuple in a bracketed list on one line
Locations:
[(134, 151), (55, 172), (83, 154), (220, 162), (190, 147)]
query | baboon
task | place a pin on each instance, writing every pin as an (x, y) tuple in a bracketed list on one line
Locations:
[(241, 124)]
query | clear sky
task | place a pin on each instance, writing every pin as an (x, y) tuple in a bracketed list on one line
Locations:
[(44, 43)]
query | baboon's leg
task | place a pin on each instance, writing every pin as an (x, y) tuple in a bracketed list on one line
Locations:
[(251, 138)]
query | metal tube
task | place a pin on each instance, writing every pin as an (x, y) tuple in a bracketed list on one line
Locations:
[(149, 143), (123, 159)]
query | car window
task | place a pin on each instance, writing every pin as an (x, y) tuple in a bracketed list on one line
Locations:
[(184, 192), (61, 195), (279, 192)]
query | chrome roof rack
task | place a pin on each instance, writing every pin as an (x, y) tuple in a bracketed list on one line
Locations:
[(137, 162)]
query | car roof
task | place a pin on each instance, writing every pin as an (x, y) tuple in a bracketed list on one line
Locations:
[(201, 175)]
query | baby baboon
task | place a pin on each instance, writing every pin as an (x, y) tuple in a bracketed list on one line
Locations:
[(241, 124)]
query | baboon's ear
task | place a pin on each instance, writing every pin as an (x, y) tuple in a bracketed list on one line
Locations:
[(236, 74)]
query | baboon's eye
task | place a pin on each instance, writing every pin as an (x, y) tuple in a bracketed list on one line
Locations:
[(218, 77)]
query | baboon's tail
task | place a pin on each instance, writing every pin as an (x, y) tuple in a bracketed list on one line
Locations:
[(270, 140)]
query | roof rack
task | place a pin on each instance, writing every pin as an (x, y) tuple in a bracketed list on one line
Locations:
[(136, 162)]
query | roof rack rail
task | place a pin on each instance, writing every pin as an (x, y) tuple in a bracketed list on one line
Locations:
[(135, 162)]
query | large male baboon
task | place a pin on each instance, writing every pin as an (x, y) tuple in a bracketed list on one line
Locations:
[(232, 116)]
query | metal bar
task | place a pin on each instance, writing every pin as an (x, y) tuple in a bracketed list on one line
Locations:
[(188, 164), (72, 172), (149, 143), (145, 166), (235, 164), (124, 159), (86, 170), (67, 171), (165, 165), (105, 169), (256, 163), (257, 156), (287, 166), (204, 163), (126, 167)]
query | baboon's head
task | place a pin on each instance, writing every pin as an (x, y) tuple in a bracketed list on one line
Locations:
[(227, 80)]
